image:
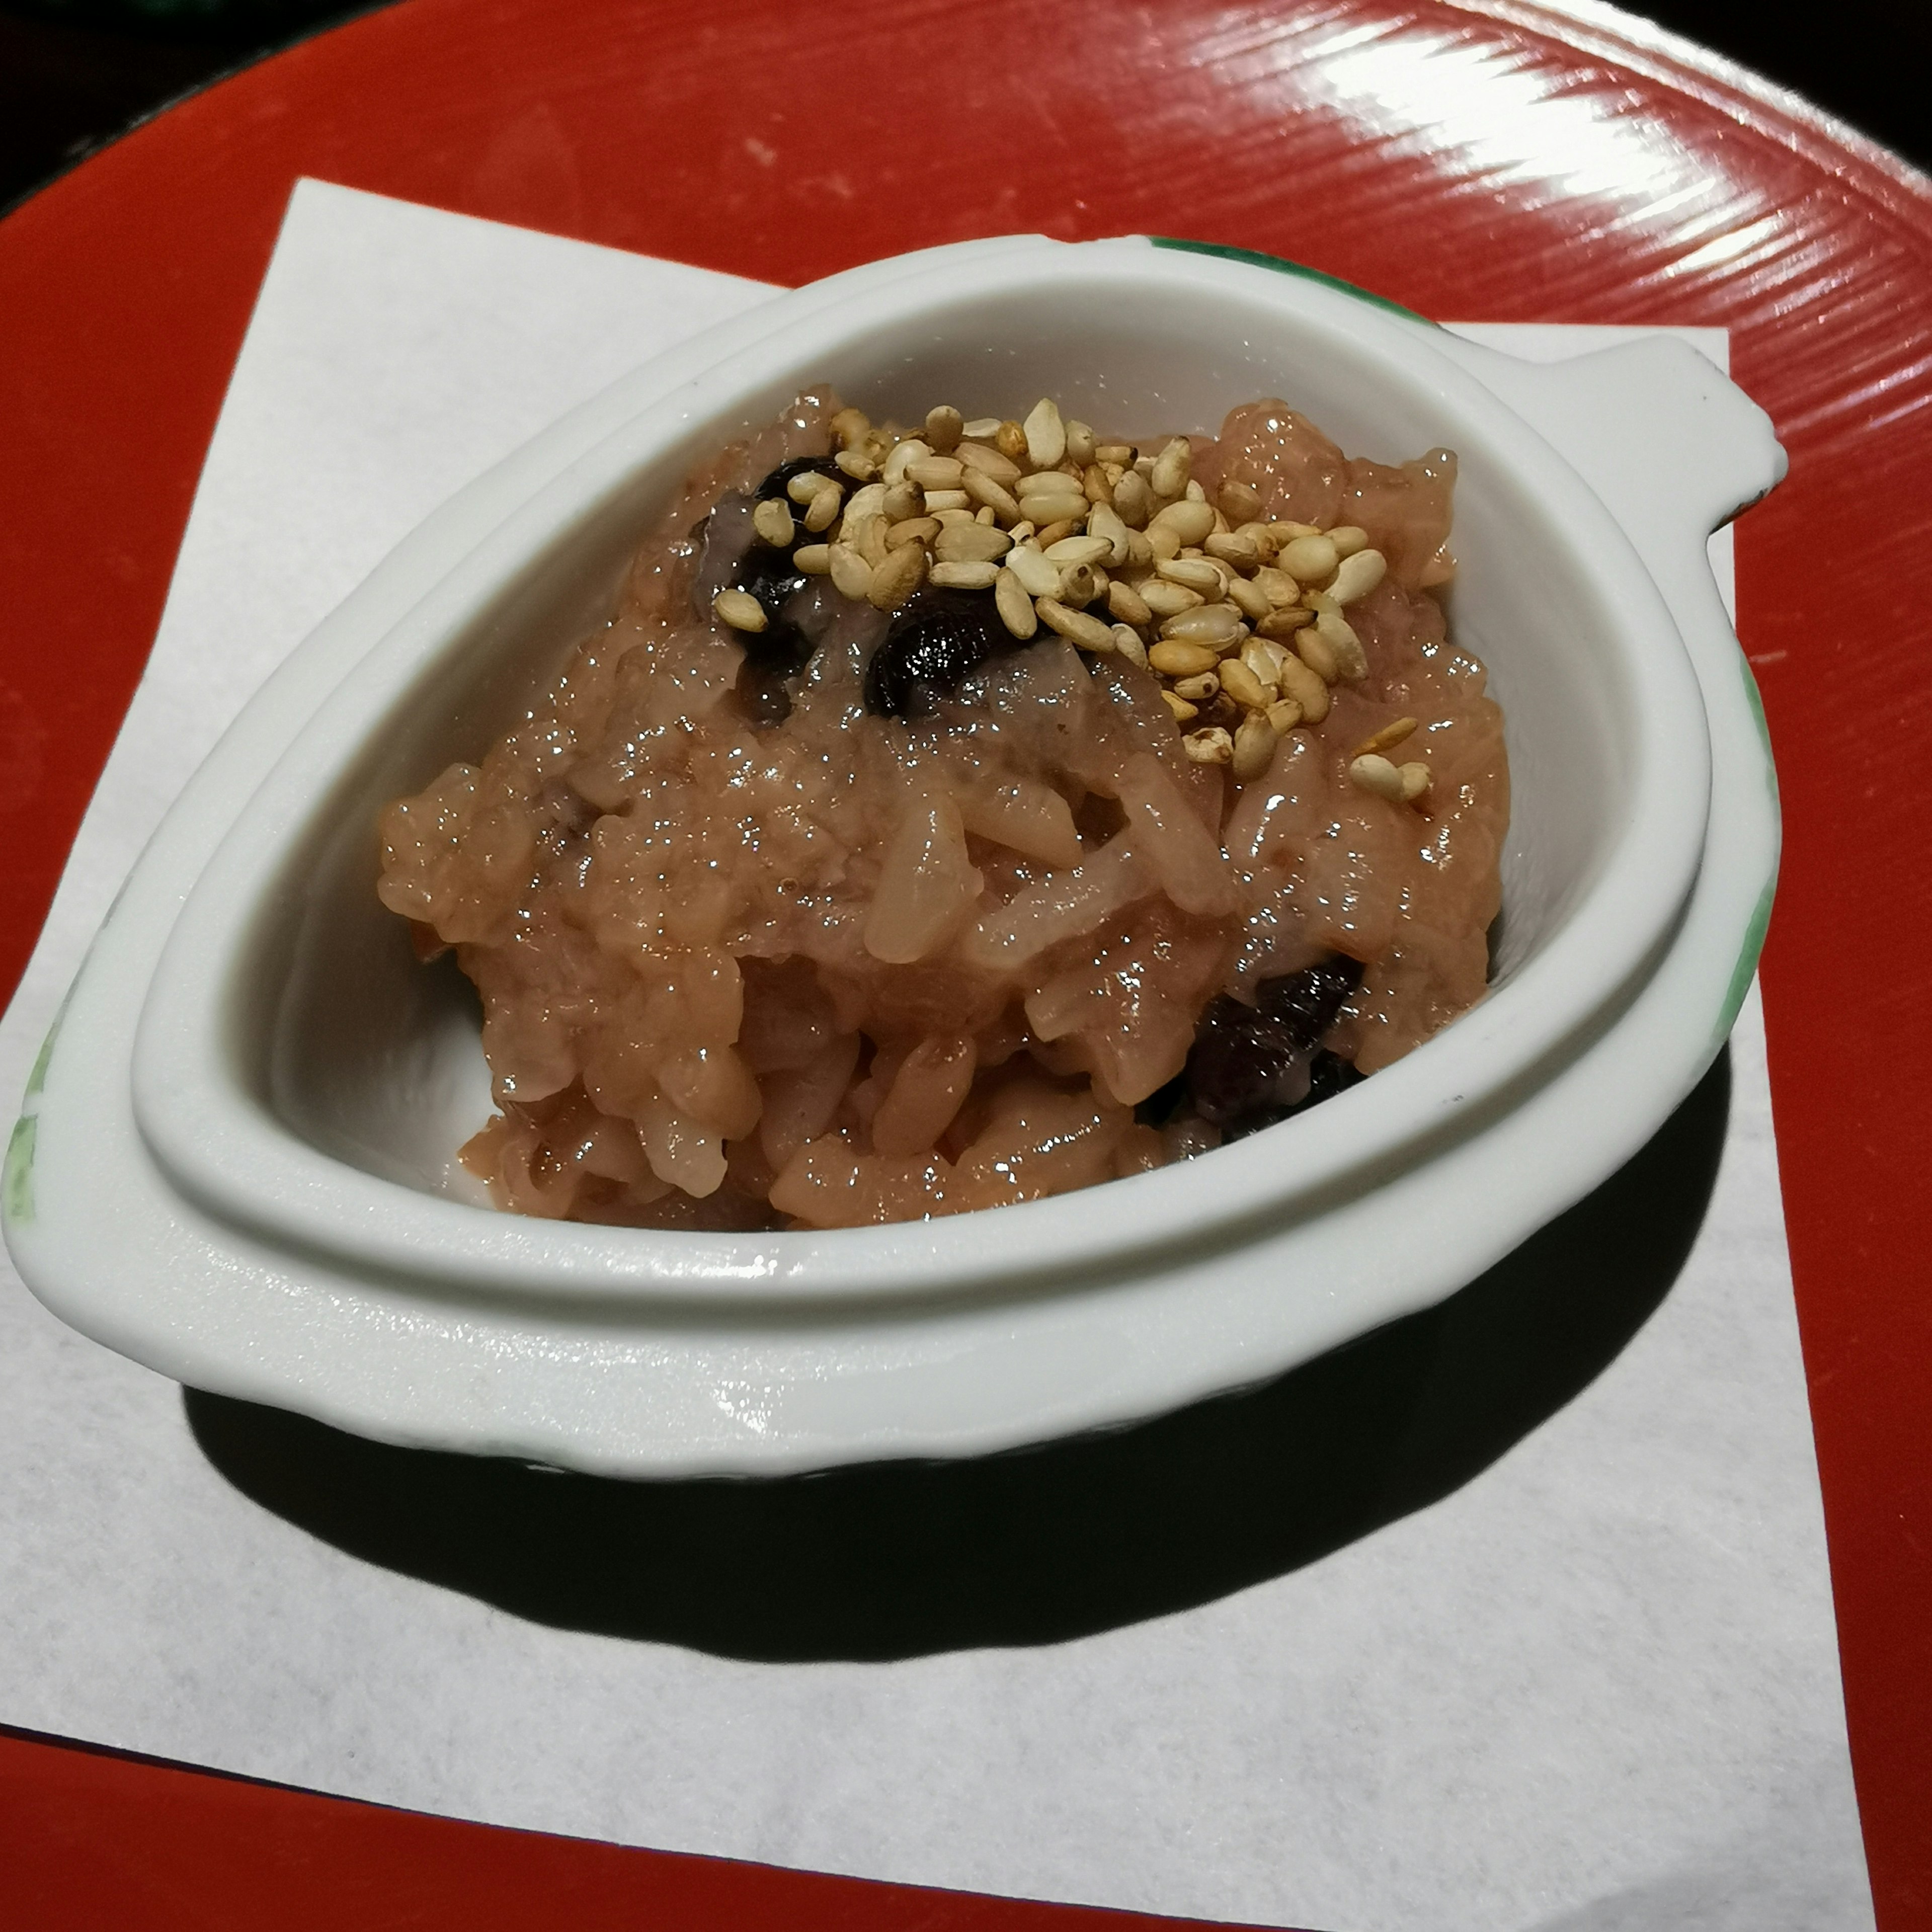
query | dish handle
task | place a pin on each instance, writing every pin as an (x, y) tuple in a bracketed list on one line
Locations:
[(1673, 447), (1675, 450)]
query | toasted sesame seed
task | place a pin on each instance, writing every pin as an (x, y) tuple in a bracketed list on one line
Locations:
[(1263, 656), (1218, 626), (1225, 547), (936, 472), (944, 426), (1377, 775), (1169, 477), (1357, 575), (970, 543), (850, 573), (1102, 522), (965, 576), (814, 559), (1081, 550), (857, 465), (1386, 738), (1127, 604), (1194, 573), (946, 515), (1015, 606), (1040, 576), (1305, 687), (1080, 444), (1163, 546), (898, 578), (1203, 687), (1051, 533), (937, 500), (902, 500), (1045, 434), (1042, 511), (1095, 485), (1415, 780), (1129, 644), (1190, 522), (1177, 657), (1335, 631), (1119, 453), (771, 519), (1239, 502), (903, 456), (851, 427), (981, 427), (1211, 746), (1309, 560), (1089, 633), (824, 510), (913, 530), (1255, 745), (1164, 599), (1285, 623), (1010, 439), (1282, 588), (1283, 716), (1080, 584), (868, 502), (740, 610), (988, 462), (1183, 711), (983, 487), (1133, 501), (1347, 538), (1319, 654), (1251, 600), (1243, 687)]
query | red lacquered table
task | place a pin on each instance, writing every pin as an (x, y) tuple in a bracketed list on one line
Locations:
[(1491, 160)]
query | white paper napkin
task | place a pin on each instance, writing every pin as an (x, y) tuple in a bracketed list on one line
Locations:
[(1596, 1687)]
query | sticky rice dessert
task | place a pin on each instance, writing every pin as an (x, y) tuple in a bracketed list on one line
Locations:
[(957, 816)]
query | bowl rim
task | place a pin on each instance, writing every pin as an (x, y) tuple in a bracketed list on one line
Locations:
[(226, 1152)]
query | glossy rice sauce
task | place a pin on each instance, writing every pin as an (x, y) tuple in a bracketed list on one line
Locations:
[(958, 815)]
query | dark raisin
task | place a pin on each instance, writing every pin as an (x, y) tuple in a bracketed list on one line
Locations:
[(1251, 1067), (1244, 1064), (769, 575), (933, 643), (1307, 1002), (1163, 1103)]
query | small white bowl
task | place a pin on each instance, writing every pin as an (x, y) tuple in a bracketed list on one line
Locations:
[(255, 1073)]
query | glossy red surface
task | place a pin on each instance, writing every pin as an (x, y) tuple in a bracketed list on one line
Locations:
[(1479, 159), (88, 1839)]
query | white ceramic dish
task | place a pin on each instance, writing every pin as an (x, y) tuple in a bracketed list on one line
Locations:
[(253, 1073)]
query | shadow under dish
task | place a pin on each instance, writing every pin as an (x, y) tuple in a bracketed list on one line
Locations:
[(889, 1560)]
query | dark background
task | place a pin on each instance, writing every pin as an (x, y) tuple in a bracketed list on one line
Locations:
[(73, 73)]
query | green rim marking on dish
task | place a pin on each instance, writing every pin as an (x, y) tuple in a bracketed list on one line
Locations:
[(16, 1185), (37, 1078), (1255, 259), (1760, 918)]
